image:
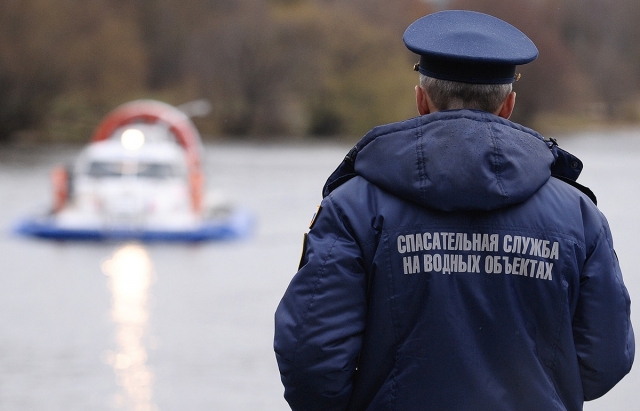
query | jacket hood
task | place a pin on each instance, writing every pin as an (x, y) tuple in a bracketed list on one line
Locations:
[(456, 160)]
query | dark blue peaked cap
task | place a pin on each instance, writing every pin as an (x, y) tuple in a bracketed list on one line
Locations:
[(468, 47)]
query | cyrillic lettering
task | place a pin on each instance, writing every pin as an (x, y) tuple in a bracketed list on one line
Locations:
[(477, 241), (488, 265), (446, 264), (492, 264), (547, 274), (406, 262), (475, 264), (506, 243), (462, 265), (411, 264), (497, 267), (436, 242), (426, 241), (516, 265), (555, 250), (410, 243), (485, 242), (451, 242), (517, 243), (494, 242), (428, 263), (437, 263), (545, 249), (419, 243), (507, 265), (467, 243), (535, 247), (402, 248)]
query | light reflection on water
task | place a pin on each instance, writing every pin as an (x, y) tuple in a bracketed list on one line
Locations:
[(130, 273)]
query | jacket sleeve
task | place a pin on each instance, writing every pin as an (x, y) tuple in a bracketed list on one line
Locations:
[(320, 320), (602, 326)]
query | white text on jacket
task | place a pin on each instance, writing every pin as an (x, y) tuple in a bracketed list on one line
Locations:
[(506, 254)]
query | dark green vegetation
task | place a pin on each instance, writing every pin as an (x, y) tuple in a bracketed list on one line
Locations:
[(289, 67)]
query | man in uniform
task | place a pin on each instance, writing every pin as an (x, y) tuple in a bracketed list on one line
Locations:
[(454, 263)]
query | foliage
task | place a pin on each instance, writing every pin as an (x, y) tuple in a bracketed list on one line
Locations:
[(288, 67)]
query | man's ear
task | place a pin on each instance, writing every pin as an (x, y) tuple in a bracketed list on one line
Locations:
[(507, 106), (422, 101)]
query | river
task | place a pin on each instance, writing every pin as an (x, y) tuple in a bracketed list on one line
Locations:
[(170, 327)]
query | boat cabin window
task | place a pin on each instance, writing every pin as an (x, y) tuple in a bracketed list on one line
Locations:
[(157, 170), (103, 169)]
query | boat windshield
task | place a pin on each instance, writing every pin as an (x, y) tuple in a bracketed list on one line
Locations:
[(103, 169)]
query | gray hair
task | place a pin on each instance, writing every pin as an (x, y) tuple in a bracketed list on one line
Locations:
[(450, 95)]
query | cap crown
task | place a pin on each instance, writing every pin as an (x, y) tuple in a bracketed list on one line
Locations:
[(468, 46)]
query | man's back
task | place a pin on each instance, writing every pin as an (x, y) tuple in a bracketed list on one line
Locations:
[(510, 298)]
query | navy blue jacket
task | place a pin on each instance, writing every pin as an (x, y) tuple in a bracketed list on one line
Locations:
[(448, 270)]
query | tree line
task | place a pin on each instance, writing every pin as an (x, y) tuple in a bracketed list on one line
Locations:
[(289, 67)]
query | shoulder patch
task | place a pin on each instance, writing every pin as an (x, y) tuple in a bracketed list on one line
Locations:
[(315, 217), (304, 250)]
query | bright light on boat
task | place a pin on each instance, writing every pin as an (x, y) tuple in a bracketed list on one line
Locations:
[(132, 139)]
